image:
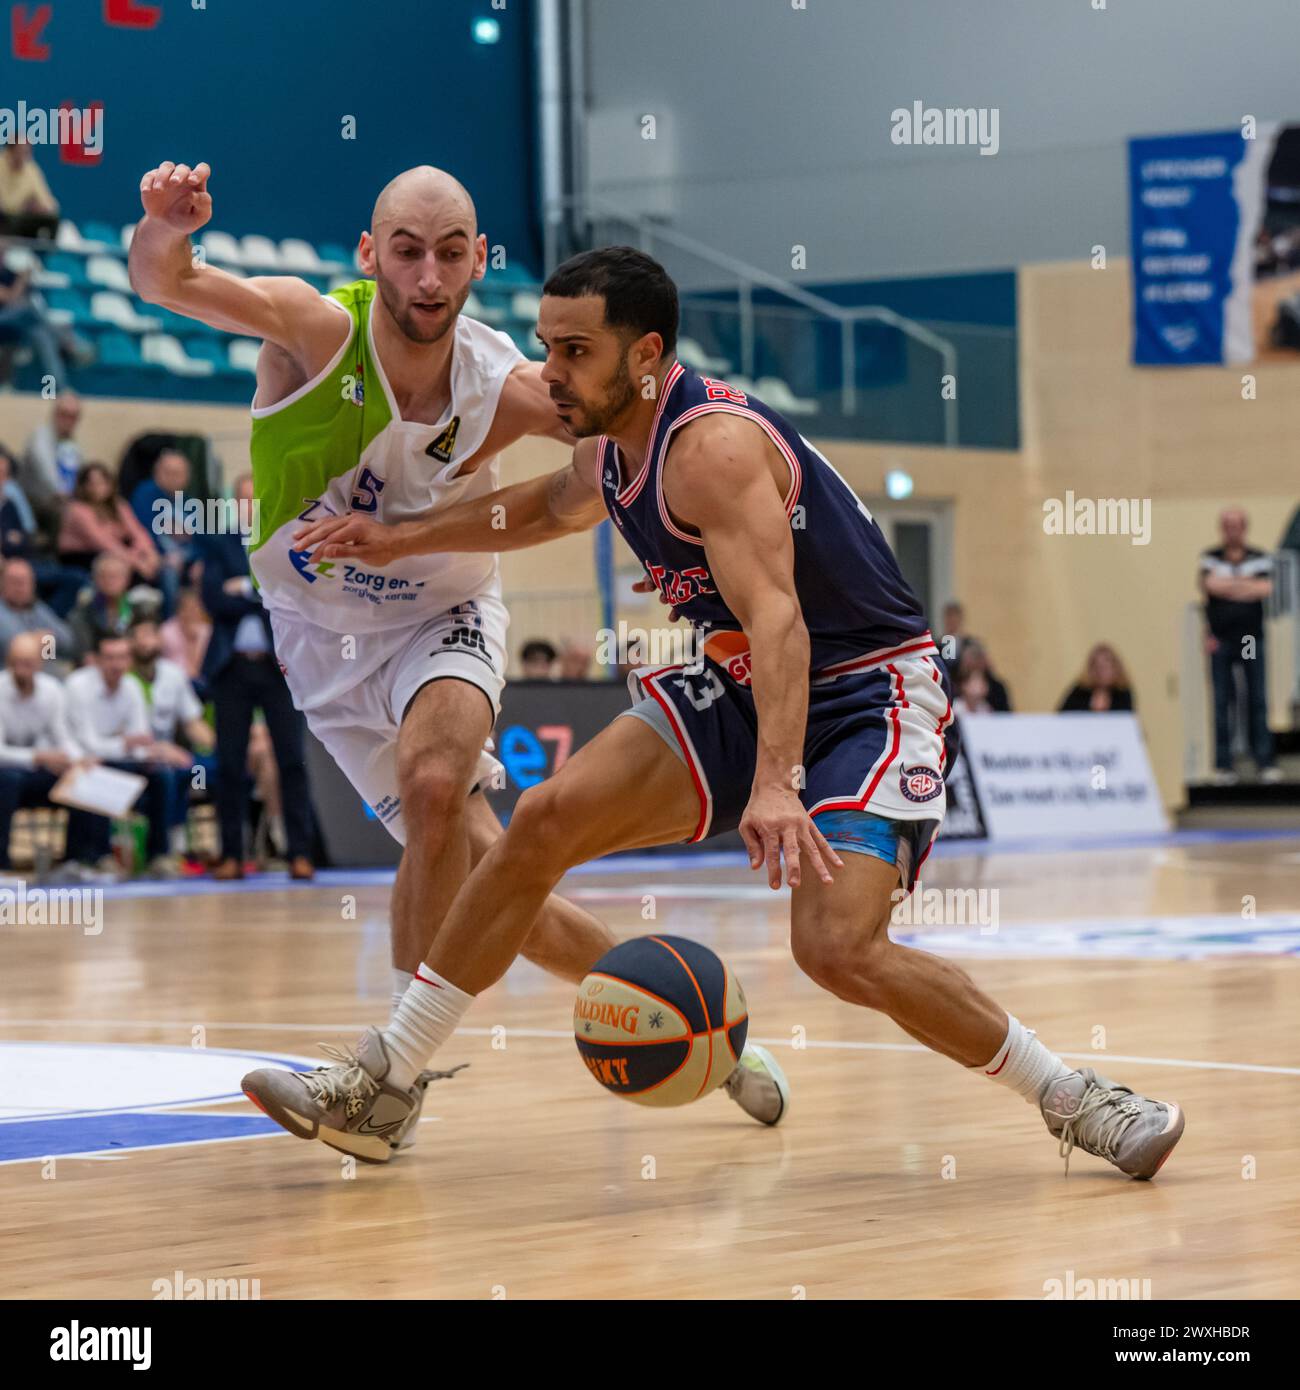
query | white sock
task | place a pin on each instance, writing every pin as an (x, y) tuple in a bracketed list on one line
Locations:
[(401, 978), (427, 1016), (1024, 1064)]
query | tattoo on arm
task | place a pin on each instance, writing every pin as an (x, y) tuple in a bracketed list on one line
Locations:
[(557, 490)]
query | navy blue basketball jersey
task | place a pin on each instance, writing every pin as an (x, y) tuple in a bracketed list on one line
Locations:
[(856, 604)]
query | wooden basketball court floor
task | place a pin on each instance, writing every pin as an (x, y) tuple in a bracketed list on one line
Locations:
[(1170, 967)]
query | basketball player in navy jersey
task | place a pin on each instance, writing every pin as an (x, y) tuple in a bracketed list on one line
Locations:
[(818, 722)]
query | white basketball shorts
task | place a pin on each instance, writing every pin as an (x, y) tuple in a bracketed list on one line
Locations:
[(354, 688)]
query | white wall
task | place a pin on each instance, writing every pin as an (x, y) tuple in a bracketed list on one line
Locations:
[(774, 122)]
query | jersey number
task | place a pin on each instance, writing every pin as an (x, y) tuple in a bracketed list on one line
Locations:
[(366, 496)]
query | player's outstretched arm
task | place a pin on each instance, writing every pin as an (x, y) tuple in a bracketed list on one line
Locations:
[(281, 309), (717, 479), (512, 518)]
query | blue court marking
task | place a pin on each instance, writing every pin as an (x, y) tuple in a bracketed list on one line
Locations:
[(639, 862), (123, 1131)]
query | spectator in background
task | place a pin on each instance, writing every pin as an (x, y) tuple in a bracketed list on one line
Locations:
[(17, 521), (972, 693), (23, 324), (106, 606), (174, 714), (168, 479), (975, 659), (953, 637), (36, 746), (1235, 579), (185, 637), (22, 611), (575, 661), (96, 521), (27, 206), (109, 717), (538, 659), (242, 674), (51, 462), (1102, 687)]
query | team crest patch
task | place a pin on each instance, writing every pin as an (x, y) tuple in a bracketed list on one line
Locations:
[(920, 783), (441, 447)]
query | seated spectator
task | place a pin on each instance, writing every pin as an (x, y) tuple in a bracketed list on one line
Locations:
[(109, 718), (975, 658), (24, 323), (953, 636), (51, 462), (36, 746), (96, 521), (22, 611), (174, 714), (538, 659), (1102, 687), (17, 521), (27, 207), (185, 637), (106, 606), (972, 693), (168, 480), (575, 661)]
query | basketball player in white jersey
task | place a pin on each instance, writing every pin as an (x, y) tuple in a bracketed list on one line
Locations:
[(383, 398)]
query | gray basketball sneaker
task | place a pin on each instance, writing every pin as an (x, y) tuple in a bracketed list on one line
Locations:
[(346, 1105), (403, 1137), (1101, 1117), (758, 1086)]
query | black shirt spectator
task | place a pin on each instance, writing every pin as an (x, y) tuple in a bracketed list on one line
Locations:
[(1103, 687)]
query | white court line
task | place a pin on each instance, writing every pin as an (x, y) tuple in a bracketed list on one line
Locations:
[(851, 1046)]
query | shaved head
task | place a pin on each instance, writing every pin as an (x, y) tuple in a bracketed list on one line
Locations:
[(416, 194), (423, 249)]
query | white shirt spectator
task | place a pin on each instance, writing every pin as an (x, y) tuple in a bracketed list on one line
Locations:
[(38, 721), (100, 719), (170, 698)]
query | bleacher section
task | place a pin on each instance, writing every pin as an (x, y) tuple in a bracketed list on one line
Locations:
[(143, 350)]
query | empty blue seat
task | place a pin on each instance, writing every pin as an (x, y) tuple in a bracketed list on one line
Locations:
[(65, 263), (101, 231), (119, 350), (208, 349), (72, 302)]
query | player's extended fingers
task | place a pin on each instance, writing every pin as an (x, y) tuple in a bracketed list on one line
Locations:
[(200, 175), (822, 844), (790, 847), (179, 174), (752, 844), (809, 838), (772, 854), (316, 531)]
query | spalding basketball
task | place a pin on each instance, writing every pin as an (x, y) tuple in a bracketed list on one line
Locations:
[(660, 1020)]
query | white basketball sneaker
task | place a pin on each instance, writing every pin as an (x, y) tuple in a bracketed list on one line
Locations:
[(1101, 1117), (758, 1086)]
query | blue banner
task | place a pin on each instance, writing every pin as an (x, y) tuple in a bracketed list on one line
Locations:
[(1194, 211)]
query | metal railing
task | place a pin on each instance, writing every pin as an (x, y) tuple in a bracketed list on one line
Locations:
[(562, 214)]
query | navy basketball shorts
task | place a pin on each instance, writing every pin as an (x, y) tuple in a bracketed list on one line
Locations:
[(877, 746)]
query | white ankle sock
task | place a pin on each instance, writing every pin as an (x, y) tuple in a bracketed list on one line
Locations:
[(426, 1017), (1024, 1064), (401, 978)]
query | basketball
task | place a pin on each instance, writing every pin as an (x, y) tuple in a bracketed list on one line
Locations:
[(660, 1020)]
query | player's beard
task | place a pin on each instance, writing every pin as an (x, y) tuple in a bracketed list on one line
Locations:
[(619, 393), (404, 316)]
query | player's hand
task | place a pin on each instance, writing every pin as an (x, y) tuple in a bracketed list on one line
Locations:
[(775, 824), (352, 537), (646, 585), (178, 196)]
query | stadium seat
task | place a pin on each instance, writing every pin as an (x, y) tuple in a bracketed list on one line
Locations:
[(101, 234), (163, 350), (109, 272), (119, 350), (779, 396), (693, 355), (69, 238), (334, 255), (65, 263), (242, 354), (259, 252), (127, 236), (476, 309), (68, 306), (211, 350), (524, 305), (222, 248), (107, 306), (296, 254)]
